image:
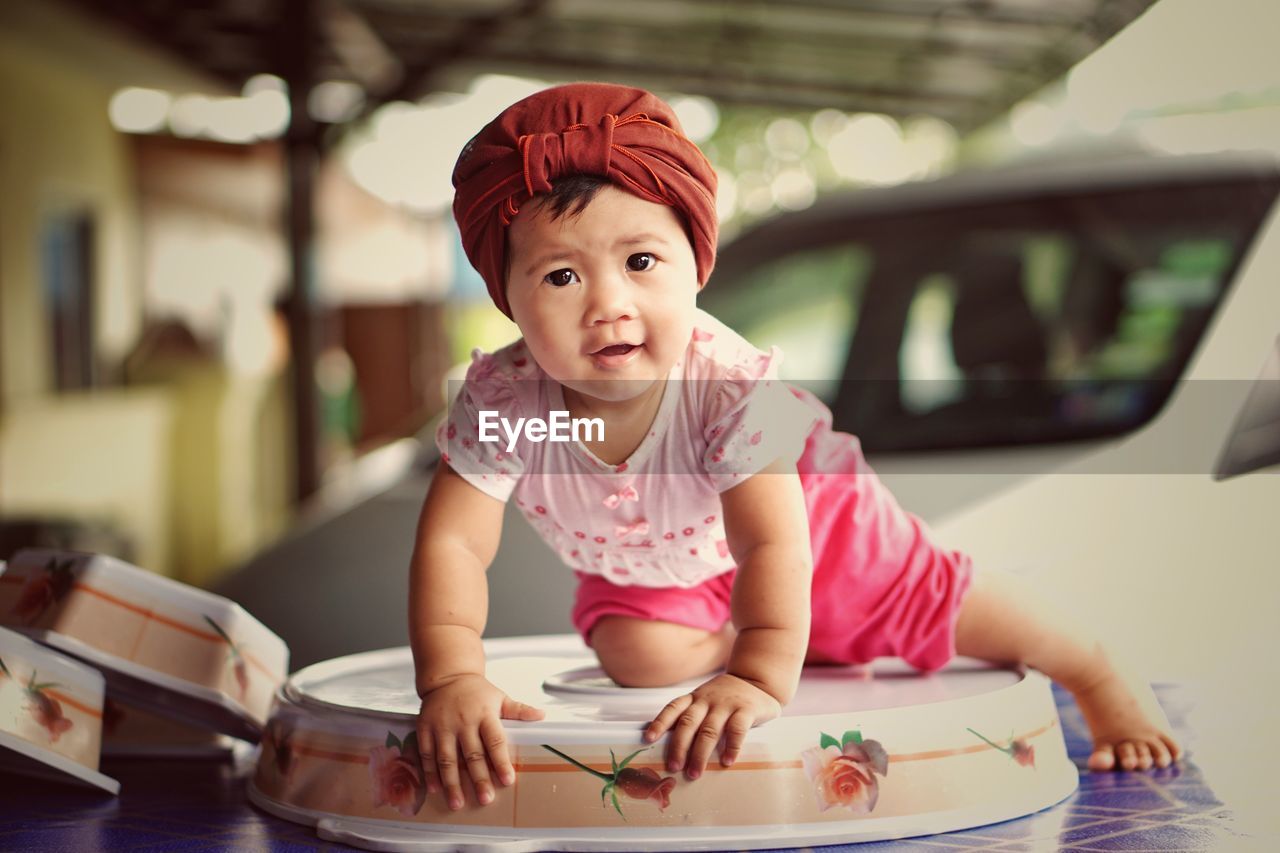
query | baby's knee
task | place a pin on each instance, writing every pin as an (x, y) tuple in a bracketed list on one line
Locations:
[(645, 653)]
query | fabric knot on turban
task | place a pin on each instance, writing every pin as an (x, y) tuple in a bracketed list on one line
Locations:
[(625, 135), (584, 149)]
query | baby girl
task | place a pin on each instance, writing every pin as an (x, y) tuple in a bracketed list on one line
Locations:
[(718, 526)]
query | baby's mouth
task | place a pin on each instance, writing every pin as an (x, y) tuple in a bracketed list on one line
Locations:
[(616, 349)]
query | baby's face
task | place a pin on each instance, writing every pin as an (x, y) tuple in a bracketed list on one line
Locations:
[(605, 299)]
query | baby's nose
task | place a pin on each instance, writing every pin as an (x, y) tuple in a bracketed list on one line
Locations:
[(611, 300)]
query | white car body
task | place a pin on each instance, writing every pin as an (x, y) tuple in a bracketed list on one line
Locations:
[(1184, 567)]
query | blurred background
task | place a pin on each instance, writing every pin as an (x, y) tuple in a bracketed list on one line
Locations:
[(231, 290), (232, 294)]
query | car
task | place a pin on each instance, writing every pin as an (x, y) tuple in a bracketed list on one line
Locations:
[(1070, 371), (1048, 364), (994, 325)]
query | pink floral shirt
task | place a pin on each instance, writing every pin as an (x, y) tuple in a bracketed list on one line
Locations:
[(655, 519)]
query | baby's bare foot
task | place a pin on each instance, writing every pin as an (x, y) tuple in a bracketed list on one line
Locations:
[(1130, 731)]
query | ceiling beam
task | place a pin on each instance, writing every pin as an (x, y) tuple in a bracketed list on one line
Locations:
[(987, 11), (765, 90), (745, 56), (412, 31), (363, 54), (475, 33), (156, 28)]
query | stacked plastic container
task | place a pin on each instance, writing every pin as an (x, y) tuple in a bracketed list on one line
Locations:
[(123, 661)]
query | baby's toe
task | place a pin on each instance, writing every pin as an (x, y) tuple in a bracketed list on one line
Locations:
[(1160, 754), (1143, 750), (1127, 755), (1103, 757)]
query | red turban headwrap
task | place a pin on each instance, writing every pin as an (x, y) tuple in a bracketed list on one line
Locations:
[(625, 135)]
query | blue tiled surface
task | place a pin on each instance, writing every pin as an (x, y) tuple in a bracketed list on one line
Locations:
[(185, 806)]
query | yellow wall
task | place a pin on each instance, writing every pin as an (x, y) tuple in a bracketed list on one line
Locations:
[(97, 458), (59, 152), (193, 467), (229, 463)]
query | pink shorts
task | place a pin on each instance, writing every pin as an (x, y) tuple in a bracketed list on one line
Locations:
[(881, 587)]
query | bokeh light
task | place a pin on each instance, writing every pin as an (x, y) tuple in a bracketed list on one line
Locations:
[(697, 115), (137, 110)]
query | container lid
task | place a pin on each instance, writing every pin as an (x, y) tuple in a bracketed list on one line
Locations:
[(23, 664), (22, 756), (157, 692), (172, 605), (559, 674)]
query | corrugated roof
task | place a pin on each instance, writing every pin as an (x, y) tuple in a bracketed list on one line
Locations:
[(965, 61)]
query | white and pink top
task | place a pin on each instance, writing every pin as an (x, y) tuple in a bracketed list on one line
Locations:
[(654, 519)]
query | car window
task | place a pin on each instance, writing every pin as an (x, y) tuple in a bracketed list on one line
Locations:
[(1037, 320), (1037, 335)]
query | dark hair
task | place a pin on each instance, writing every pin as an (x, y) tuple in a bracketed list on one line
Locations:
[(572, 194)]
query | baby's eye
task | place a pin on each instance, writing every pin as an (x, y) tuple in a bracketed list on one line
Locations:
[(641, 261), (560, 278)]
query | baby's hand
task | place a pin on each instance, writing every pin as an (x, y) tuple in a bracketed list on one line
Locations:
[(463, 718), (726, 705)]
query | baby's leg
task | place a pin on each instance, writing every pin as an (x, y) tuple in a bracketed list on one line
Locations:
[(646, 653), (1003, 619)]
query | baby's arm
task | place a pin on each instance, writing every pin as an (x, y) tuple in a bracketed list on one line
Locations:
[(768, 532), (458, 535)]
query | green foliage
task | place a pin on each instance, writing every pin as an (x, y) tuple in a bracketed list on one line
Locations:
[(613, 793), (853, 736)]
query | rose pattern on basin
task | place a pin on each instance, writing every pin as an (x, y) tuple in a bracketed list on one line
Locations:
[(46, 710), (843, 772), (642, 783), (395, 775), (43, 590), (1017, 748)]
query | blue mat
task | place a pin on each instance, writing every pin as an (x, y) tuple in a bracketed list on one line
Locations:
[(186, 806)]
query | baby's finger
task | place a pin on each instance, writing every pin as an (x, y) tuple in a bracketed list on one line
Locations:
[(447, 764), (513, 710), (705, 741), (495, 743), (666, 717), (427, 754), (682, 735), (477, 765), (735, 735)]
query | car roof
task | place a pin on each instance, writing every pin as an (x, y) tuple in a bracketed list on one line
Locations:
[(1060, 175)]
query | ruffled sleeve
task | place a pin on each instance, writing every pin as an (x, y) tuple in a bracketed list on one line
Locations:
[(753, 420), (487, 465)]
